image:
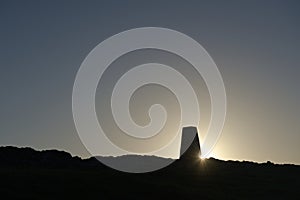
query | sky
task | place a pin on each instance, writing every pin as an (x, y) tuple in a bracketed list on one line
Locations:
[(255, 45)]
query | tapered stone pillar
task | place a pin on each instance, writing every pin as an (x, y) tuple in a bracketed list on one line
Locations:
[(190, 145)]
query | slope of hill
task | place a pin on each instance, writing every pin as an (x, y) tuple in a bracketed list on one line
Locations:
[(51, 174)]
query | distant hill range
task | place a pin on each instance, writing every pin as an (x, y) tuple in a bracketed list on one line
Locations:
[(28, 157), (51, 174)]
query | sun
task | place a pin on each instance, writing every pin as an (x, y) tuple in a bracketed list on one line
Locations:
[(201, 158)]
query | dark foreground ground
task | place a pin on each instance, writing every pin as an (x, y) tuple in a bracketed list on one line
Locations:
[(57, 175)]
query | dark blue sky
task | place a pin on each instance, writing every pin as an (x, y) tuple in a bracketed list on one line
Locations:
[(254, 43)]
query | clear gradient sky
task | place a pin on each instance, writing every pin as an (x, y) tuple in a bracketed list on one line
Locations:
[(255, 45)]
